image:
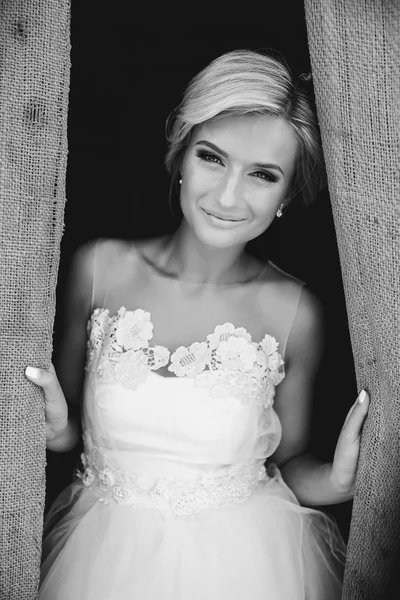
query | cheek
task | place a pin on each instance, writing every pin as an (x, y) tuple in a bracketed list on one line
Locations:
[(265, 203), (198, 180), (197, 186)]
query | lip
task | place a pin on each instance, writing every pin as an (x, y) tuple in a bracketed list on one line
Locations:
[(222, 221)]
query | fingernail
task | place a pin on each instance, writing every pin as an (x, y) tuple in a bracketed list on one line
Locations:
[(32, 372), (362, 396)]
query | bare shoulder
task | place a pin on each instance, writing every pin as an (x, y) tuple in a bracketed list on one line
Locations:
[(281, 288), (107, 259), (303, 304), (283, 278), (101, 252), (112, 249), (307, 332), (80, 276), (93, 256), (107, 251), (290, 286)]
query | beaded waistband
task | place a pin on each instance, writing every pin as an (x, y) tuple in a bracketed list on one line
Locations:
[(214, 489)]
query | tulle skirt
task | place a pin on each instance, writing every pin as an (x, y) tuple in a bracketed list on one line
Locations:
[(266, 548)]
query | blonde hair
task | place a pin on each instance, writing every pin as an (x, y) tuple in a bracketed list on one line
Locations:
[(245, 82)]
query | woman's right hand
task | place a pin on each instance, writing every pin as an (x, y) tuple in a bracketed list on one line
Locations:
[(56, 408)]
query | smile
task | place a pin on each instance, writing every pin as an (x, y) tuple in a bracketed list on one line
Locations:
[(222, 222)]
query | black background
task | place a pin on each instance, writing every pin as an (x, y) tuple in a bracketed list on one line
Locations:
[(128, 73)]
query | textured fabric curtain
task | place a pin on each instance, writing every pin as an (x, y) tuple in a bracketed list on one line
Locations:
[(34, 86), (355, 57)]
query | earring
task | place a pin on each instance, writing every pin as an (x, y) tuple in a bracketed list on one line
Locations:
[(280, 212), (180, 181)]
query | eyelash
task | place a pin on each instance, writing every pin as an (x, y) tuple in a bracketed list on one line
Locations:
[(206, 156)]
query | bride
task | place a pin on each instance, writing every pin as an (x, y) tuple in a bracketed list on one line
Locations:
[(193, 366)]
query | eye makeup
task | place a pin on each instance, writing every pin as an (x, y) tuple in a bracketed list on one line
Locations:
[(209, 157)]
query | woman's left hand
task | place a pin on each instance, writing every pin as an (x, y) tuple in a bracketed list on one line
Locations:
[(345, 461)]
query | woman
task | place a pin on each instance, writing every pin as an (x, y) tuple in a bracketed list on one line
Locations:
[(199, 369)]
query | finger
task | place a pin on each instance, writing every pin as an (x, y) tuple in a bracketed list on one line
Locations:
[(47, 380), (355, 420), (361, 399)]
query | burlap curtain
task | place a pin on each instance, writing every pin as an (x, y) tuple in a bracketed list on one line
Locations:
[(355, 57), (354, 46), (34, 86)]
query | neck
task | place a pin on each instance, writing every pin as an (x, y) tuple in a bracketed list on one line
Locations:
[(192, 260)]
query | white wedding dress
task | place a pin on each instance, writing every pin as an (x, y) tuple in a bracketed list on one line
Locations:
[(173, 501)]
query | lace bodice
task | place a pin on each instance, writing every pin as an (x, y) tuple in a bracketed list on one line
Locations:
[(228, 362)]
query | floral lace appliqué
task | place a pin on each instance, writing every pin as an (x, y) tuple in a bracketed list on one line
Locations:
[(229, 363), (188, 362), (214, 488), (240, 367), (118, 346)]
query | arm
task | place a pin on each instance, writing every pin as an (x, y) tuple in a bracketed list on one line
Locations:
[(63, 390), (314, 482)]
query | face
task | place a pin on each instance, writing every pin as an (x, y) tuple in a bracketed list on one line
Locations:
[(236, 172)]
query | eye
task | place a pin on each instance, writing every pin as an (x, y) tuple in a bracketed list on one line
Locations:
[(264, 175), (208, 157)]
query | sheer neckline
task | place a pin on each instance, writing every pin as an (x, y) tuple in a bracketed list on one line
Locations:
[(146, 263), (122, 311)]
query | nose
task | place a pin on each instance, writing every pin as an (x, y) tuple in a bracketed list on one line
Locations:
[(228, 192)]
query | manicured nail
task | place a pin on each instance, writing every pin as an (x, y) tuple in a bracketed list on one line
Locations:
[(362, 396), (32, 372)]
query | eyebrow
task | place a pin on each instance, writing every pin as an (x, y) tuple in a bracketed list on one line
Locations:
[(225, 155)]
